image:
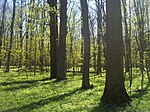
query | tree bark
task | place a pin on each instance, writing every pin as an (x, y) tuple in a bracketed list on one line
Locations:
[(61, 64), (53, 38), (114, 91), (99, 36), (86, 36)]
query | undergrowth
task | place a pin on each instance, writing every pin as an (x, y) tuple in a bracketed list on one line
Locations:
[(24, 92)]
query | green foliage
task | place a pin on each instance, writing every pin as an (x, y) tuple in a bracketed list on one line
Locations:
[(24, 92)]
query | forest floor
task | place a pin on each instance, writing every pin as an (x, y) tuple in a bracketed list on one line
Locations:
[(24, 92)]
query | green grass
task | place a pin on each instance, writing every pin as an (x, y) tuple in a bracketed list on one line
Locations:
[(24, 92)]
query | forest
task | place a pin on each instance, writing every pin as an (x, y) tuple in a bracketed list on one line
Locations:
[(74, 55)]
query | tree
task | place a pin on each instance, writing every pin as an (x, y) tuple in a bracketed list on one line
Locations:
[(21, 30), (2, 29), (99, 35), (114, 91), (61, 64), (53, 37), (128, 60), (86, 35), (139, 11), (93, 38), (11, 37), (127, 40), (42, 38)]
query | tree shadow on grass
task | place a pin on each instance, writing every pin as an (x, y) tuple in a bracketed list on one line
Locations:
[(40, 103), (14, 88), (102, 107), (112, 108), (23, 82), (139, 94), (17, 85)]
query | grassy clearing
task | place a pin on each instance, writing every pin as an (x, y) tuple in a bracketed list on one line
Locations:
[(24, 92)]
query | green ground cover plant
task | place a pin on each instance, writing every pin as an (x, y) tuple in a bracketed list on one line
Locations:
[(24, 92)]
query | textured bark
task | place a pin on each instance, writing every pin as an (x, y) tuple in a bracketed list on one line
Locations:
[(11, 37), (53, 38), (61, 65), (86, 36), (114, 91)]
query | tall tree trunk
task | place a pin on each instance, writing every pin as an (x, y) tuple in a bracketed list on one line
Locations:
[(61, 64), (71, 33), (94, 44), (31, 34), (35, 49), (42, 40), (130, 57), (128, 63), (99, 36), (11, 37), (114, 91), (27, 37), (53, 38), (86, 36), (127, 41), (2, 30), (21, 37)]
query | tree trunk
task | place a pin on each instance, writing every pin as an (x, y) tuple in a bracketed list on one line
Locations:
[(53, 38), (114, 91), (11, 37), (21, 37), (42, 40), (130, 57), (94, 43), (99, 36), (61, 64), (127, 40), (2, 30), (86, 36)]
